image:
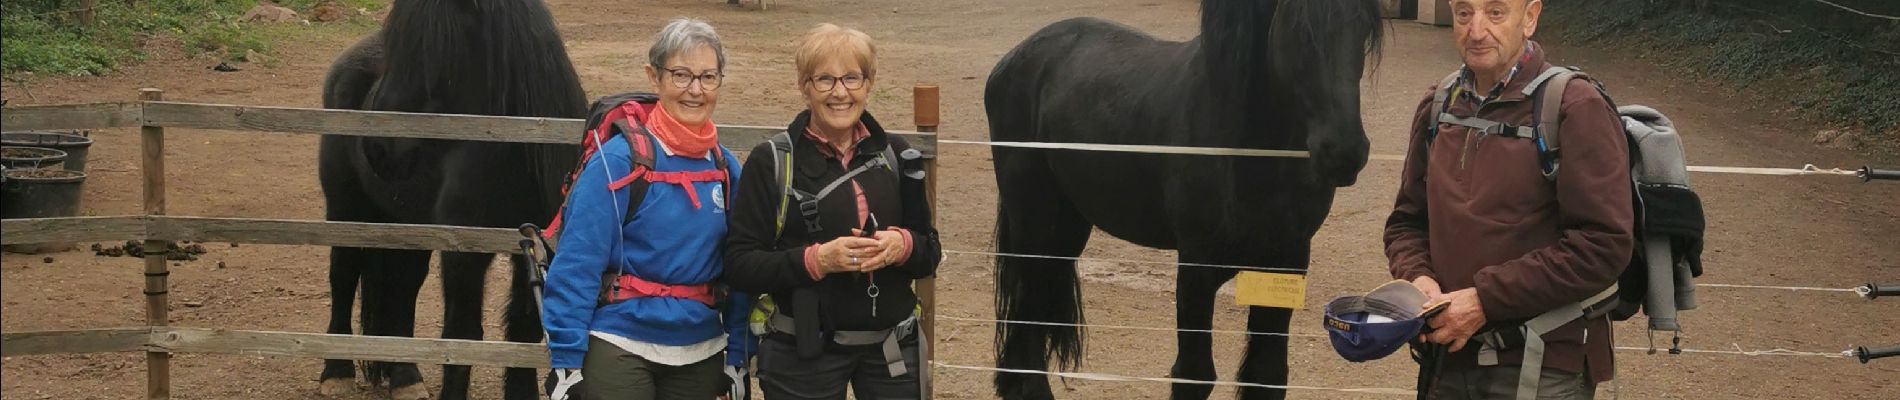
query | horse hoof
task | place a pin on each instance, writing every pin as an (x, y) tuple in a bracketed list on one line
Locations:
[(336, 386), (411, 392)]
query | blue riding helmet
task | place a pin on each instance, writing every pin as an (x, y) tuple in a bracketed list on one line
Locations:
[(1373, 326)]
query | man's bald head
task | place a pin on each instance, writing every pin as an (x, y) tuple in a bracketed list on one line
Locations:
[(1491, 34)]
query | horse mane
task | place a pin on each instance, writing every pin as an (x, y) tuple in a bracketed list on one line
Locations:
[(487, 57), (484, 57), (1236, 42), (1363, 13), (1234, 47)]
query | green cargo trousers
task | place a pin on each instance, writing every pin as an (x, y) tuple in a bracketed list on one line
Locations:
[(609, 373)]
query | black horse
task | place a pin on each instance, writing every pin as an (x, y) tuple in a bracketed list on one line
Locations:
[(487, 57), (1262, 75)]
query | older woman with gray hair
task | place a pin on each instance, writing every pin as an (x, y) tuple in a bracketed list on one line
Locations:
[(633, 305)]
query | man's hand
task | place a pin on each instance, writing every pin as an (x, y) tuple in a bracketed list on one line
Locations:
[(1462, 318), (564, 382), (1430, 287)]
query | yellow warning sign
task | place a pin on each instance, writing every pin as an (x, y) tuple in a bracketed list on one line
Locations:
[(1270, 290)]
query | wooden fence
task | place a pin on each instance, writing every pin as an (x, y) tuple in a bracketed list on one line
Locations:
[(152, 115)]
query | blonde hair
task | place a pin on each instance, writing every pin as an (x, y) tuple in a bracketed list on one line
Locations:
[(825, 41)]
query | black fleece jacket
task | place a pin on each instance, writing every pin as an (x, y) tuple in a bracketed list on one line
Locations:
[(756, 263)]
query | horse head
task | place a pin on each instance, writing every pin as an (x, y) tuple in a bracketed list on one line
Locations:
[(1321, 48)]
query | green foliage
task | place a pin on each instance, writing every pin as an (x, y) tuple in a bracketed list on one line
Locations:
[(40, 38), (34, 45), (1817, 58)]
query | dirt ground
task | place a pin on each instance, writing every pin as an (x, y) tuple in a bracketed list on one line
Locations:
[(1784, 231)]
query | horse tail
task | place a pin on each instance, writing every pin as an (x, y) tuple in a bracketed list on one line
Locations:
[(1035, 290)]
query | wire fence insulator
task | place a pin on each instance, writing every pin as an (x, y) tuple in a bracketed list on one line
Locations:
[(1866, 354), (1874, 291), (1870, 173), (1093, 376)]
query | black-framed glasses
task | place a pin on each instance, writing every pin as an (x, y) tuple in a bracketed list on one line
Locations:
[(824, 83), (682, 78)]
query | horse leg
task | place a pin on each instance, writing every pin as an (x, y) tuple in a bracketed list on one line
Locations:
[(523, 325), (346, 267), (1036, 289), (1266, 354), (344, 199), (1266, 359), (389, 309), (1194, 309), (463, 277)]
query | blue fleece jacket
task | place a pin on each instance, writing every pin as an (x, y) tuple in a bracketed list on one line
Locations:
[(669, 241)]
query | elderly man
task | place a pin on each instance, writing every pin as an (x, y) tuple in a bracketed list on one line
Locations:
[(1485, 221)]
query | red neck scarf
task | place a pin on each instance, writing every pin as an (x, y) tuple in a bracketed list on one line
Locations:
[(678, 138)]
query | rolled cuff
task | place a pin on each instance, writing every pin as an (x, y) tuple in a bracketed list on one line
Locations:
[(811, 263), (904, 255)]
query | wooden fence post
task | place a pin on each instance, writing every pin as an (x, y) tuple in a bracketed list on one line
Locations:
[(85, 13), (924, 104), (152, 150)]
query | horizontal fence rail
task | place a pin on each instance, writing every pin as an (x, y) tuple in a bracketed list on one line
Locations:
[(261, 231), (170, 114), (166, 339), (72, 116)]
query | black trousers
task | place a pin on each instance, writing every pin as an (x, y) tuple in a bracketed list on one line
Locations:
[(784, 376)]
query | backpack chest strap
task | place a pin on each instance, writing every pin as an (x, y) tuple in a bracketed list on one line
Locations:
[(686, 179), (808, 202), (1489, 126)]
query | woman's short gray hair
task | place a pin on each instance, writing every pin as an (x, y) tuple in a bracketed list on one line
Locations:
[(683, 34)]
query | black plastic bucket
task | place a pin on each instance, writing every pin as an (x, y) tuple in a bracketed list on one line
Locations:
[(20, 157), (41, 193), (74, 143)]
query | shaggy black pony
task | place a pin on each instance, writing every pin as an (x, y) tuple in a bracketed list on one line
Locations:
[(488, 57), (1263, 75)]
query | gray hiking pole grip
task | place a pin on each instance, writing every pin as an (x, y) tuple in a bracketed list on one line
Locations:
[(1865, 354), (1875, 290), (1869, 173)]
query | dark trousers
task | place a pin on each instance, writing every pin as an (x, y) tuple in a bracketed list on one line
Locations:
[(1500, 383), (784, 376), (609, 373)]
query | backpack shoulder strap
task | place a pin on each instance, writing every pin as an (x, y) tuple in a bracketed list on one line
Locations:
[(1547, 95), (781, 144), (1441, 102), (640, 142)]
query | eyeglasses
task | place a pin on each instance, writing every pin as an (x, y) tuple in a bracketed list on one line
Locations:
[(683, 78), (824, 83)]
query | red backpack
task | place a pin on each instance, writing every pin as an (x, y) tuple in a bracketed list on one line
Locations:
[(615, 116)]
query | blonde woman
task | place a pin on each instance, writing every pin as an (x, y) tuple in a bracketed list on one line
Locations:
[(836, 247)]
